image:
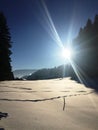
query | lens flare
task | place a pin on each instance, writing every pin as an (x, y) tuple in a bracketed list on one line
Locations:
[(67, 53)]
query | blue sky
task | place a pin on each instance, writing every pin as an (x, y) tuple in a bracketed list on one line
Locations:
[(34, 45)]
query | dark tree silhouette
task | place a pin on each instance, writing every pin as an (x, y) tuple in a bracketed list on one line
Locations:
[(5, 52), (96, 24), (86, 44)]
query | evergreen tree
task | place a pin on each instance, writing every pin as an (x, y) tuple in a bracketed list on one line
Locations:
[(96, 24), (86, 43), (5, 52)]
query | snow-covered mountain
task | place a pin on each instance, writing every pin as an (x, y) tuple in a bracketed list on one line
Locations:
[(23, 72)]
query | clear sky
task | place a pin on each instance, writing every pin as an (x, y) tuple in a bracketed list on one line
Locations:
[(37, 25)]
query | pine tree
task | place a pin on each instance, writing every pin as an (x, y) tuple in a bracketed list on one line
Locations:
[(5, 52), (87, 45)]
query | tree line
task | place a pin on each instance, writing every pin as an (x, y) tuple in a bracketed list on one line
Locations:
[(86, 48), (52, 73)]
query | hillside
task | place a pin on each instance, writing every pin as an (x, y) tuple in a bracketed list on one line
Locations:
[(23, 72)]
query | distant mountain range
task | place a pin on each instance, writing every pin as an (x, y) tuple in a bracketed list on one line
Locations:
[(23, 72)]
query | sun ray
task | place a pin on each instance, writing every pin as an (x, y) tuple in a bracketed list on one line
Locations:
[(52, 26), (81, 76), (76, 72)]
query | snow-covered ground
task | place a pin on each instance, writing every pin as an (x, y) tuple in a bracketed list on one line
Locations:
[(58, 104)]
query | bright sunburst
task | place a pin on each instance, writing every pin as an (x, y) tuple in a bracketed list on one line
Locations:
[(67, 53)]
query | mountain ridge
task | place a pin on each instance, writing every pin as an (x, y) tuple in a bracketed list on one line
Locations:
[(19, 73)]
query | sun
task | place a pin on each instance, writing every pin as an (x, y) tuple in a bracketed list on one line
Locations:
[(67, 53)]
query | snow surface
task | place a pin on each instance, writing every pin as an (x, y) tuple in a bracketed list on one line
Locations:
[(58, 104)]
